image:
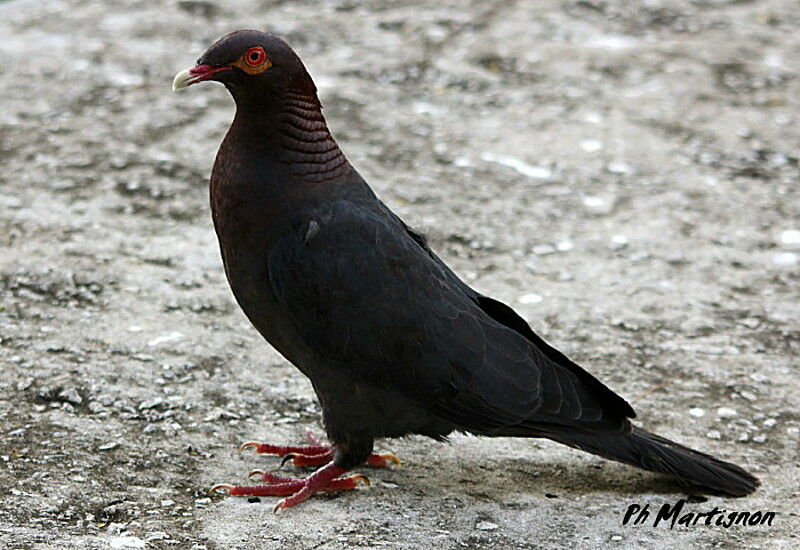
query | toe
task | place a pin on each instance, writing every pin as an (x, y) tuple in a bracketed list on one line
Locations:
[(382, 460)]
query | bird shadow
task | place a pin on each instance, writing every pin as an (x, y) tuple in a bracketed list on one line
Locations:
[(506, 479)]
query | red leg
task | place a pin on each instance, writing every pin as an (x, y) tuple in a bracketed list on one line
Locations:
[(296, 490), (270, 477), (382, 460), (315, 454), (308, 459), (322, 480), (283, 450), (326, 478)]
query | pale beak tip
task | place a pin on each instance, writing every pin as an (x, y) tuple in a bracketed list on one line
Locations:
[(181, 80)]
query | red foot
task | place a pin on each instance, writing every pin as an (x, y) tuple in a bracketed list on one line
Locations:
[(315, 454), (382, 461), (302, 459), (299, 490)]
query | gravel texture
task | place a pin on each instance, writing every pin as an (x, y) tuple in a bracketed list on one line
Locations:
[(625, 174)]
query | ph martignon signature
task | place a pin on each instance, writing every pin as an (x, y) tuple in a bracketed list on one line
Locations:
[(673, 515)]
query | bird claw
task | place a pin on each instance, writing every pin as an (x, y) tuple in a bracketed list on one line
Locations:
[(360, 477), (382, 460), (288, 458), (221, 487), (280, 506), (315, 455), (244, 446), (296, 490)]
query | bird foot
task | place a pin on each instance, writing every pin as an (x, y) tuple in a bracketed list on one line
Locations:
[(326, 478), (295, 490), (315, 454)]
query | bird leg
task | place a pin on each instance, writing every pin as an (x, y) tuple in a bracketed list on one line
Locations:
[(315, 454), (296, 490), (326, 478)]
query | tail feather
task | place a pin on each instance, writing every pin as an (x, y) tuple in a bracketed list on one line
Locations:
[(651, 452)]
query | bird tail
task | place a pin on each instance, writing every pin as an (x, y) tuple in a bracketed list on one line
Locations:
[(651, 452)]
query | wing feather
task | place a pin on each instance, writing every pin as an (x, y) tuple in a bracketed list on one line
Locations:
[(369, 297)]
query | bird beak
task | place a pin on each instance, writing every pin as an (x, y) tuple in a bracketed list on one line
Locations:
[(194, 75)]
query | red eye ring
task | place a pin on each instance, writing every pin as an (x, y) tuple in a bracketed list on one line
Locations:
[(255, 56)]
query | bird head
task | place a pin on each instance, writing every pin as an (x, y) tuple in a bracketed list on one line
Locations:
[(253, 65)]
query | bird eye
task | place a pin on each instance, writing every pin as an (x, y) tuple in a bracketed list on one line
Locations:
[(255, 56)]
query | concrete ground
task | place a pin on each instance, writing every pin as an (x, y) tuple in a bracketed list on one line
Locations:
[(625, 174)]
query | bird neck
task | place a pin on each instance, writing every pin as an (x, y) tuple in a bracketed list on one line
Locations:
[(293, 128)]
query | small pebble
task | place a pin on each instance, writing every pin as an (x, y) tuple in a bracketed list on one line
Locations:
[(123, 542), (713, 434), (591, 145), (598, 206), (564, 246), (529, 170), (618, 242), (618, 168), (748, 395), (760, 438), (486, 526), (697, 412), (785, 258), (169, 337), (593, 117), (530, 299), (71, 395), (726, 412), (751, 322), (543, 249), (790, 237), (10, 202), (151, 404), (758, 377)]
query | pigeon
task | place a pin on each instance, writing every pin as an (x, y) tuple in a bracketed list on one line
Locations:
[(393, 341)]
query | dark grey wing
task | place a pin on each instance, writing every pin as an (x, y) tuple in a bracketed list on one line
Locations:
[(368, 298), (506, 316)]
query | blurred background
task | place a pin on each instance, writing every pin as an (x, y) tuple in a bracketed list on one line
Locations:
[(625, 174)]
